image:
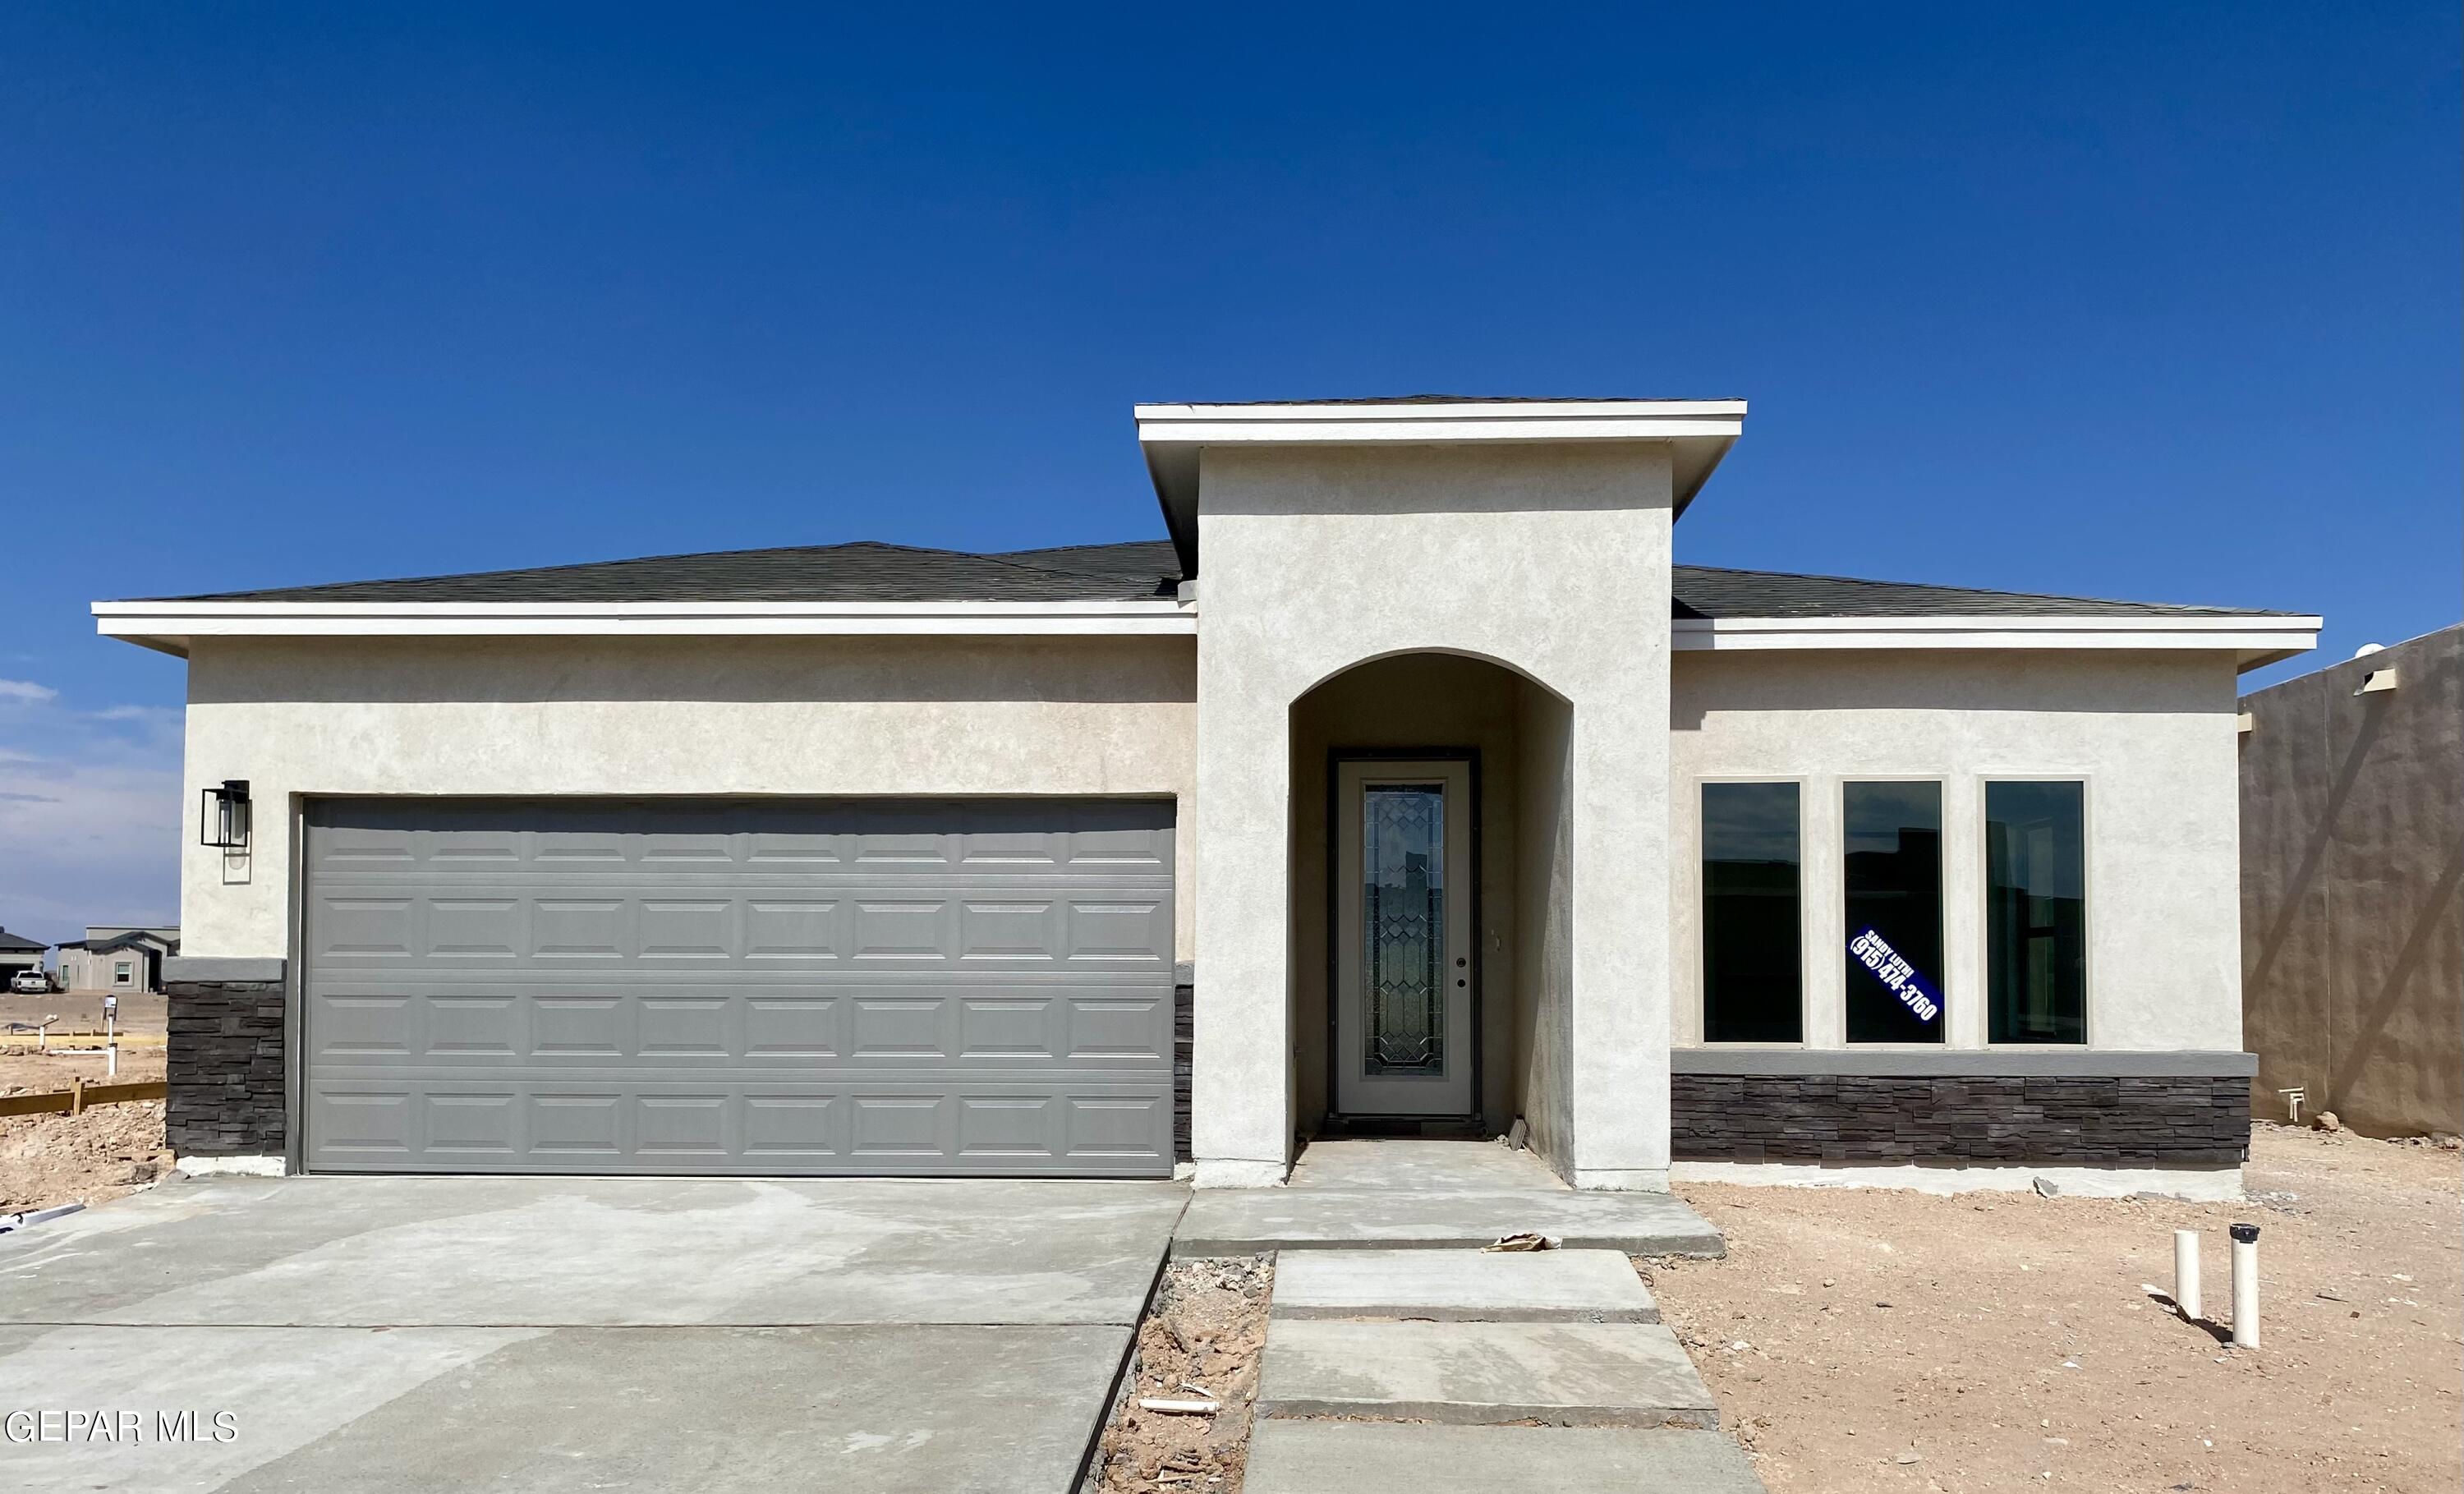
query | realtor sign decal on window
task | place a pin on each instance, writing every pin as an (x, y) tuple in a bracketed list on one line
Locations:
[(1915, 992)]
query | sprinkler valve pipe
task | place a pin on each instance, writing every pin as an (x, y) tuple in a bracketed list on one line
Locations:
[(2244, 1285), (2186, 1273)]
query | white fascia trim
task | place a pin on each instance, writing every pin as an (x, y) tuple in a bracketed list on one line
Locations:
[(2255, 639), (162, 623), (1499, 419)]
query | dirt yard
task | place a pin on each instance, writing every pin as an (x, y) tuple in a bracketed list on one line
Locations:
[(139, 1011), (108, 1151), (1870, 1340), (1201, 1341)]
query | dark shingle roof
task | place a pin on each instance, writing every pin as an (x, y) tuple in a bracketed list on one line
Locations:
[(1705, 591), (863, 571), (868, 571), (16, 944), (131, 937)]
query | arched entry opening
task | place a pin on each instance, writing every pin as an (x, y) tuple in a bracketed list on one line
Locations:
[(1431, 871)]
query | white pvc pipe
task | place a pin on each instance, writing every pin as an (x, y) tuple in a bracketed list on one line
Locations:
[(2244, 1285), (2186, 1273)]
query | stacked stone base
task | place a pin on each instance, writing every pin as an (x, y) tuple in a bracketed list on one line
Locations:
[(2078, 1120), (224, 1069)]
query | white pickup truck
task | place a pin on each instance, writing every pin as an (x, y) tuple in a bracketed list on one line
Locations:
[(30, 982)]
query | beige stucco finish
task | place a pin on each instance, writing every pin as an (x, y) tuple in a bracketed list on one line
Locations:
[(649, 716), (2353, 890), (1552, 560), (2151, 734)]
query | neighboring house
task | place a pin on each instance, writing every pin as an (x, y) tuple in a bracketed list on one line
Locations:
[(2352, 848), (118, 959), (1410, 762), (18, 954)]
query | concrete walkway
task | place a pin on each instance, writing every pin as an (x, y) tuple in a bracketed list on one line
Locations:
[(429, 1334), (1411, 1194), (1418, 1371), (1382, 1402)]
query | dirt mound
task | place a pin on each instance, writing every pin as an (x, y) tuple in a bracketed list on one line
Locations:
[(108, 1151)]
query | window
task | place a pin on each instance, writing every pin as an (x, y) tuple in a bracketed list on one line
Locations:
[(1752, 948), (2035, 912), (123, 972), (1892, 869)]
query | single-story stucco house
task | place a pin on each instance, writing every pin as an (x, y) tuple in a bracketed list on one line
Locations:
[(121, 959), (1409, 767), (17, 955)]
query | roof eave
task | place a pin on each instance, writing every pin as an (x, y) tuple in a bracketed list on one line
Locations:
[(2255, 639), (1171, 437), (171, 627)]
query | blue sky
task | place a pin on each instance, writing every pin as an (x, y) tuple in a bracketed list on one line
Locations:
[(2144, 302)]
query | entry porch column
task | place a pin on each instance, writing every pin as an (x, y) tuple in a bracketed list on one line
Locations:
[(1241, 1080)]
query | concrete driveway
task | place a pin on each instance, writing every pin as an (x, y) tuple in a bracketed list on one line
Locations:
[(339, 1334)]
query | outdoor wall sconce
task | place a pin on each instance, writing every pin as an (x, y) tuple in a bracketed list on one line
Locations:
[(222, 817)]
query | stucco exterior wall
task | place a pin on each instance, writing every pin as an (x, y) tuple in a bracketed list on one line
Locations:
[(1550, 558), (2352, 916), (2151, 734), (616, 716), (1544, 1016), (89, 970)]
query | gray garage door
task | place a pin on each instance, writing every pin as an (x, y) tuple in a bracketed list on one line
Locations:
[(747, 986)]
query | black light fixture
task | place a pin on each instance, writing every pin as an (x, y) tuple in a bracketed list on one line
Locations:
[(222, 816)]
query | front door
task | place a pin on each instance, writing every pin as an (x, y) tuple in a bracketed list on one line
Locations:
[(1403, 938)]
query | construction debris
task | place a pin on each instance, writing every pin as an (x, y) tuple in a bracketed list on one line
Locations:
[(1201, 1339)]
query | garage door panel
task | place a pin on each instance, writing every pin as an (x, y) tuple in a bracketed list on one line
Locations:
[(369, 1127), (465, 1125), (890, 1025), (460, 1028), (579, 928), (1018, 1024), (747, 987), (788, 1027), (788, 1132), (1059, 1024), (922, 1128), (1119, 1126), (581, 1127), (782, 928)]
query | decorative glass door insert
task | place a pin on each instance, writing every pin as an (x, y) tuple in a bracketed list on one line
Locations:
[(1403, 927), (1403, 946)]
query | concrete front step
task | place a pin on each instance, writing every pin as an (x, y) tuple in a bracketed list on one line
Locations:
[(1461, 1287), (1629, 1375), (1404, 1457), (1250, 1220)]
